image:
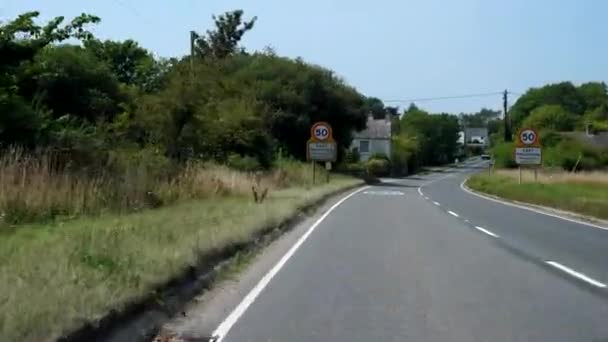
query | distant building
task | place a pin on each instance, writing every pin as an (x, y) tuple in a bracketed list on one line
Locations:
[(375, 138), (476, 137)]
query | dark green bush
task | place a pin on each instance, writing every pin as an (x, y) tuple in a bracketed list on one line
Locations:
[(243, 163)]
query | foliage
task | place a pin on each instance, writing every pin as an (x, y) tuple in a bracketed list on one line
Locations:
[(436, 135), (503, 154), (403, 152), (378, 167), (575, 100), (552, 117), (223, 41)]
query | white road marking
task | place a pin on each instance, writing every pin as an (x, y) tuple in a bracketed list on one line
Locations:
[(464, 188), (452, 213), (223, 329), (420, 191), (576, 274), (483, 230), (437, 204), (426, 198), (384, 193)]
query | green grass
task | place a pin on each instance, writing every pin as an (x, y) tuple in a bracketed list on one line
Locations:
[(587, 198), (53, 278)]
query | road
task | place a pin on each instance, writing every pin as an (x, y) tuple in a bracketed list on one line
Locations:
[(420, 259)]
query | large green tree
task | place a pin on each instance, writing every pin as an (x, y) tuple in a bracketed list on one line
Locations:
[(223, 41)]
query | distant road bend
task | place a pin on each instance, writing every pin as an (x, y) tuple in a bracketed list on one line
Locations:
[(420, 259)]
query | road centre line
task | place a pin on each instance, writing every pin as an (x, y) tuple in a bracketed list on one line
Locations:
[(485, 231), (576, 274), (470, 192), (453, 213), (437, 203)]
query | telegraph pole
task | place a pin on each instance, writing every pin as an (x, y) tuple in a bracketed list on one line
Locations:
[(193, 37), (507, 119)]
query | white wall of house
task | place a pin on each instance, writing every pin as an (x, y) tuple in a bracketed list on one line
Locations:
[(373, 146)]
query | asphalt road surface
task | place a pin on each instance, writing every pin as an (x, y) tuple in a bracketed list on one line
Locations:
[(420, 259)]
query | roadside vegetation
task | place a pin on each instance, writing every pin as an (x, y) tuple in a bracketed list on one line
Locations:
[(583, 192), (567, 118)]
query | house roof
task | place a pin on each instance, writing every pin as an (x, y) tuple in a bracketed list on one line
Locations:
[(376, 129), (599, 140)]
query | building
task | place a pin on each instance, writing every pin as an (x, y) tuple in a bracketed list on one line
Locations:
[(375, 138), (476, 137)]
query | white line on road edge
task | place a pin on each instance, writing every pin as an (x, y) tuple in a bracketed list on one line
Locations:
[(453, 213), (223, 329), (437, 204), (465, 189), (483, 230), (576, 274), (420, 191)]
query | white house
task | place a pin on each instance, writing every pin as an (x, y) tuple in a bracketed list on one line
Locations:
[(375, 138)]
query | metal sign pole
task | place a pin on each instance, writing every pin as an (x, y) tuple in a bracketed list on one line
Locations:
[(314, 171), (519, 174)]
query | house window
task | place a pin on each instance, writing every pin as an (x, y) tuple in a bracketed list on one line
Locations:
[(364, 146)]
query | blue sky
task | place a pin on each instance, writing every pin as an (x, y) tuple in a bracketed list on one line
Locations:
[(390, 49)]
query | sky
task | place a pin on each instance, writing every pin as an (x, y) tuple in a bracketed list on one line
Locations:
[(390, 49)]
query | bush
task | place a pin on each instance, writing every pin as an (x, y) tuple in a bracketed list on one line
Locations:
[(503, 155), (378, 167), (568, 152), (379, 156), (243, 163)]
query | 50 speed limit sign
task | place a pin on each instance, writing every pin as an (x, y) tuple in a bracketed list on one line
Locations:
[(528, 137), (321, 131)]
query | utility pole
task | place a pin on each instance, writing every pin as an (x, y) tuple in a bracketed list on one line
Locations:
[(193, 37), (507, 119)]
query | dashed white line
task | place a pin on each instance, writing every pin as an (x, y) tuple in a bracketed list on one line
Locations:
[(223, 329), (426, 198), (437, 204), (453, 213), (576, 274), (485, 231), (420, 191)]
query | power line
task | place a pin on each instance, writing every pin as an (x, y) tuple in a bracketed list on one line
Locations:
[(447, 97)]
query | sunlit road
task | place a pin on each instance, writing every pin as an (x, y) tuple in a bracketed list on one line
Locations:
[(402, 263)]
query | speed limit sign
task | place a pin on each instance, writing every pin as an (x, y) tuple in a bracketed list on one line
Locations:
[(528, 137), (321, 131)]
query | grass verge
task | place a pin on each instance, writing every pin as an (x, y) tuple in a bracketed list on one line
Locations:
[(55, 278), (579, 193)]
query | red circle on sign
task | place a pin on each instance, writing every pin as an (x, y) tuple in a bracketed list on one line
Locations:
[(321, 131), (527, 137)]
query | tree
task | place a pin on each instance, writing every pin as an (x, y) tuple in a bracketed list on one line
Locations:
[(594, 94), (224, 40), (68, 80), (375, 107), (564, 94), (436, 135), (132, 64), (553, 117)]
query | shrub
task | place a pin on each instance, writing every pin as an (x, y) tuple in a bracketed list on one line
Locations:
[(503, 155), (378, 167), (243, 163), (379, 156)]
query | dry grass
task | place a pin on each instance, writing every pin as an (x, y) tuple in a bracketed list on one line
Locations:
[(557, 176), (34, 188), (584, 193)]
